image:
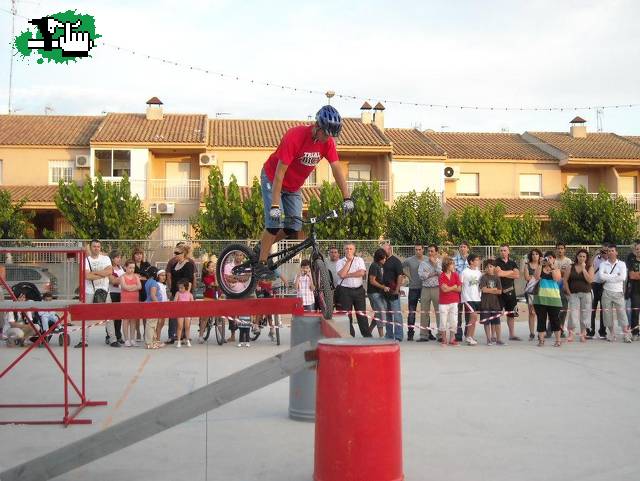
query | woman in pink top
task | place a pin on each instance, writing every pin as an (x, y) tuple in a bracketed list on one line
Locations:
[(449, 298), (184, 295), (130, 287)]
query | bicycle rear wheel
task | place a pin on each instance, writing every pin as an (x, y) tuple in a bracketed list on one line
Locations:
[(324, 292), (219, 329), (234, 271)]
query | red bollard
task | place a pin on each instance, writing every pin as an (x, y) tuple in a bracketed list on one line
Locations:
[(358, 411)]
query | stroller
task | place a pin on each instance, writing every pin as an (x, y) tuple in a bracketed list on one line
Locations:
[(31, 293)]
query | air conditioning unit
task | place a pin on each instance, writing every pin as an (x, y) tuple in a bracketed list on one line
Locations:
[(82, 161), (207, 159), (165, 207), (452, 173)]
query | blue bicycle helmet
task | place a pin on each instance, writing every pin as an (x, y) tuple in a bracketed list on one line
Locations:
[(329, 120)]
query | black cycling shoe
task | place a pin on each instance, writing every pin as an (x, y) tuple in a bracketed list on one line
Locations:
[(262, 272)]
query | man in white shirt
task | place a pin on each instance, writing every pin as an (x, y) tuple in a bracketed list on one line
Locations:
[(351, 270), (613, 273), (97, 269)]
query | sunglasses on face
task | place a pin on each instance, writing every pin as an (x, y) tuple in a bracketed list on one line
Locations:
[(177, 253)]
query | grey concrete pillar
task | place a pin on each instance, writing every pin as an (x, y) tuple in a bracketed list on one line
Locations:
[(302, 385)]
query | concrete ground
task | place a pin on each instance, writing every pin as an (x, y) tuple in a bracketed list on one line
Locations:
[(469, 413)]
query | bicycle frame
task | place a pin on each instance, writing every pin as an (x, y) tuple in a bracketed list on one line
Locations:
[(289, 253)]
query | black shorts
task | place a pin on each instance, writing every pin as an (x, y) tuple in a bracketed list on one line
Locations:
[(509, 303), (475, 305), (495, 315)]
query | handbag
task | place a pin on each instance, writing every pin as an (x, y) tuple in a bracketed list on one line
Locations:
[(99, 295)]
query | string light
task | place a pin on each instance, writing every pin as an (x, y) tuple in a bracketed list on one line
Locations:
[(368, 99)]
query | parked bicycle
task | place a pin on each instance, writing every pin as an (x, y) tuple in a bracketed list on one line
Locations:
[(240, 280)]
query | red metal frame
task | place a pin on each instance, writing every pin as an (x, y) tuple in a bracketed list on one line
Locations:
[(102, 312), (68, 417)]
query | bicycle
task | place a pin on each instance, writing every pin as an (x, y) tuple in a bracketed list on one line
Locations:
[(217, 323), (240, 281)]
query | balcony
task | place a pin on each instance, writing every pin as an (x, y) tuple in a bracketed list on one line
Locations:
[(383, 185), (166, 189), (632, 199)]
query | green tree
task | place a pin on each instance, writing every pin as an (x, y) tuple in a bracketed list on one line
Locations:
[(368, 219), (225, 214), (525, 230), (15, 223), (330, 199), (104, 210), (480, 226), (415, 218), (588, 219)]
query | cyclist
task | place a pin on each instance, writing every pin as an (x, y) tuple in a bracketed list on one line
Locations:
[(286, 170)]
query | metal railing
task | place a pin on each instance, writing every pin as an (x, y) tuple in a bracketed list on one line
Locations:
[(48, 267), (167, 189), (383, 185), (632, 199)]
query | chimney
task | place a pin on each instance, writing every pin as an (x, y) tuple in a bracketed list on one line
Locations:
[(578, 128), (365, 113), (378, 116), (154, 109)]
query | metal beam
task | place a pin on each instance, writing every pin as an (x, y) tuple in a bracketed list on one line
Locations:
[(161, 418)]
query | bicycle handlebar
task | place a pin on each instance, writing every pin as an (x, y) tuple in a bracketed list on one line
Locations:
[(332, 214)]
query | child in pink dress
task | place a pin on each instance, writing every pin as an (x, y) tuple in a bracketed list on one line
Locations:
[(130, 287), (183, 295)]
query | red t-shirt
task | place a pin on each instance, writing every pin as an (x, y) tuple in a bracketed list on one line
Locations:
[(449, 297), (209, 280), (298, 150)]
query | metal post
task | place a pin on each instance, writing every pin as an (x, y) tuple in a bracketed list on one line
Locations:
[(302, 385)]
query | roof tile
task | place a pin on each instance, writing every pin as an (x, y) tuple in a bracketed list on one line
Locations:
[(135, 128), (53, 130), (267, 133), (471, 145), (598, 145), (33, 193), (412, 142), (513, 206)]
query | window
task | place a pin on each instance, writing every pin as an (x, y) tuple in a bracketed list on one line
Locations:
[(574, 182), (239, 169), (311, 180), (468, 184), (113, 163), (359, 172), (627, 185), (173, 231), (530, 185), (60, 170)]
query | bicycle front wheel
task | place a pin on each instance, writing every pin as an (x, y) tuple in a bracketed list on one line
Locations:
[(234, 271), (219, 328), (324, 292)]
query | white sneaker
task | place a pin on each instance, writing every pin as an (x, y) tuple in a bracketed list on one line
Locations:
[(127, 344), (178, 344), (201, 340), (240, 344), (471, 341), (627, 338), (246, 344), (188, 343)]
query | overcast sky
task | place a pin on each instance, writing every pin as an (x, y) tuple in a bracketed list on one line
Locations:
[(501, 53)]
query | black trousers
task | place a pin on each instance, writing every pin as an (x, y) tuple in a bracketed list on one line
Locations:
[(354, 298), (635, 312), (597, 289), (552, 312), (117, 323), (414, 298)]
